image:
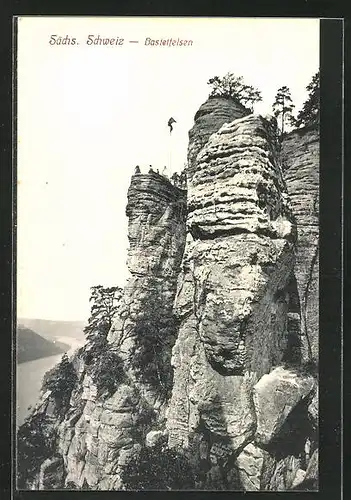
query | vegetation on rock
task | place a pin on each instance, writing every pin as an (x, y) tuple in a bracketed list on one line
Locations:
[(232, 86), (107, 372), (151, 359), (309, 114), (36, 441), (61, 380), (158, 468), (103, 364), (283, 106), (105, 306)]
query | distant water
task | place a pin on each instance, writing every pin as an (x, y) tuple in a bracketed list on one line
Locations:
[(30, 375)]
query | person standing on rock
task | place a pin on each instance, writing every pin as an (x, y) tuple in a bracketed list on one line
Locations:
[(137, 170), (165, 172), (182, 180), (175, 179), (151, 170)]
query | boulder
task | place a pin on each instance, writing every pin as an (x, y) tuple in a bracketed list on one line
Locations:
[(275, 396)]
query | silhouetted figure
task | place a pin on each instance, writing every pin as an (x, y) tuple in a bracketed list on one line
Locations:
[(175, 179), (182, 180), (170, 124), (137, 170), (157, 171), (151, 170)]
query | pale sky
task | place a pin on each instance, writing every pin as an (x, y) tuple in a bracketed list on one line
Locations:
[(88, 114)]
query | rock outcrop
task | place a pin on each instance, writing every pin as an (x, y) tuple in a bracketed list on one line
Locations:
[(209, 118), (236, 302), (156, 212), (217, 320), (100, 435), (300, 157)]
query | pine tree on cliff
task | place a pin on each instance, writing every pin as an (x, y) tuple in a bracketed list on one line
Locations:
[(283, 106), (309, 114), (233, 87), (61, 380), (105, 305)]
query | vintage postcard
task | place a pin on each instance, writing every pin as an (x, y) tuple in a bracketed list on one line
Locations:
[(167, 253)]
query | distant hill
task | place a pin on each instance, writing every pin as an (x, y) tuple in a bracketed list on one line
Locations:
[(53, 329), (31, 346)]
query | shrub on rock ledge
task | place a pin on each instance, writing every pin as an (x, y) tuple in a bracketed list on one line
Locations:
[(36, 441), (158, 468), (108, 373), (61, 380)]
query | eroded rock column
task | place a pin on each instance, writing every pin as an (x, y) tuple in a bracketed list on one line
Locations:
[(233, 294), (108, 432)]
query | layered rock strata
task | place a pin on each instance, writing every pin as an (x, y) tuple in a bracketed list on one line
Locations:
[(300, 157), (156, 211), (236, 298), (211, 115), (233, 318), (99, 435)]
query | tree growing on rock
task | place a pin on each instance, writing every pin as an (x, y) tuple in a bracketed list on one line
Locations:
[(101, 362), (155, 335), (283, 106), (105, 306), (233, 87), (309, 114), (36, 441), (61, 380), (108, 372)]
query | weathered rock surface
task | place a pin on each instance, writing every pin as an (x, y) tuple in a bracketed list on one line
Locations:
[(238, 186), (284, 474), (203, 398), (154, 437), (300, 476), (211, 115), (213, 280), (312, 471), (233, 298), (156, 211), (313, 410), (300, 158), (99, 439), (250, 463), (275, 396), (238, 267)]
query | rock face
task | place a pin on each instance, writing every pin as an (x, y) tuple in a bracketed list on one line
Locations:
[(157, 212), (223, 293), (100, 438), (300, 157), (236, 302), (211, 115), (242, 254), (275, 396)]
